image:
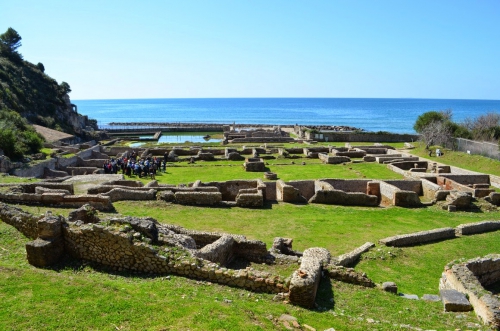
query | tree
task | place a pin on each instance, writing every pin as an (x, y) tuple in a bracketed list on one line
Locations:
[(485, 127), (41, 66), (437, 128), (11, 39), (65, 88), (431, 116)]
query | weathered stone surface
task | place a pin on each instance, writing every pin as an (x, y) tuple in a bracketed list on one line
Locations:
[(390, 287), (419, 237), (119, 194), (49, 227), (459, 199), (350, 258), (431, 297), (338, 197), (454, 301), (348, 275), (494, 198), (86, 214), (198, 198), (250, 198), (43, 253), (253, 165), (409, 296), (234, 156), (167, 196), (146, 226), (304, 282), (479, 227)]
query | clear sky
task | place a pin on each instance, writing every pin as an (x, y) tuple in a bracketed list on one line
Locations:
[(263, 48)]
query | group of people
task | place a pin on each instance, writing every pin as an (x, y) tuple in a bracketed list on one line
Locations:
[(133, 166)]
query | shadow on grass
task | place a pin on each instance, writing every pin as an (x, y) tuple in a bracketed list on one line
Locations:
[(68, 263), (325, 299)]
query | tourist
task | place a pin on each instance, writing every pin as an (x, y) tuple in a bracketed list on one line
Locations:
[(438, 152)]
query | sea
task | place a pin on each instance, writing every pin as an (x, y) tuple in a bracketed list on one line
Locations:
[(392, 115)]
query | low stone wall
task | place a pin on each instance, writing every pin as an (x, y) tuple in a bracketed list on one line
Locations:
[(59, 199), (198, 198), (470, 278), (123, 182), (418, 238), (479, 227), (123, 250), (31, 187), (349, 259), (305, 281), (24, 222), (120, 194)]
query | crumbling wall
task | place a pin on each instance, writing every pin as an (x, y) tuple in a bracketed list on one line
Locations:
[(24, 222), (59, 199), (288, 193), (305, 281), (305, 187)]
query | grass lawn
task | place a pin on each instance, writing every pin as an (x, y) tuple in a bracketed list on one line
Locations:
[(77, 295)]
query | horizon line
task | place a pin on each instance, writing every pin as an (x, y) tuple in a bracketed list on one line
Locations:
[(194, 98)]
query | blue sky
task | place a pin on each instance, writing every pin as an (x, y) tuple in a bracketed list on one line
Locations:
[(192, 49)]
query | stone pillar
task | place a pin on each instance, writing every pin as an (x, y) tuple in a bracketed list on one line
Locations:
[(48, 248), (305, 281)]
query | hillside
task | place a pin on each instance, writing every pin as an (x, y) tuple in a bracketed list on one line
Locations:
[(26, 90)]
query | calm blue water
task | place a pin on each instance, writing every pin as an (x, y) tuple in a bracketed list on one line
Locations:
[(394, 115)]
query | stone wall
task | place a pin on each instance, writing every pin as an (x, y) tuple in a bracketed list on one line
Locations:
[(198, 198), (305, 281), (479, 227), (119, 194), (349, 259), (430, 188), (288, 193), (468, 278), (24, 222), (417, 238), (220, 251), (59, 199)]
